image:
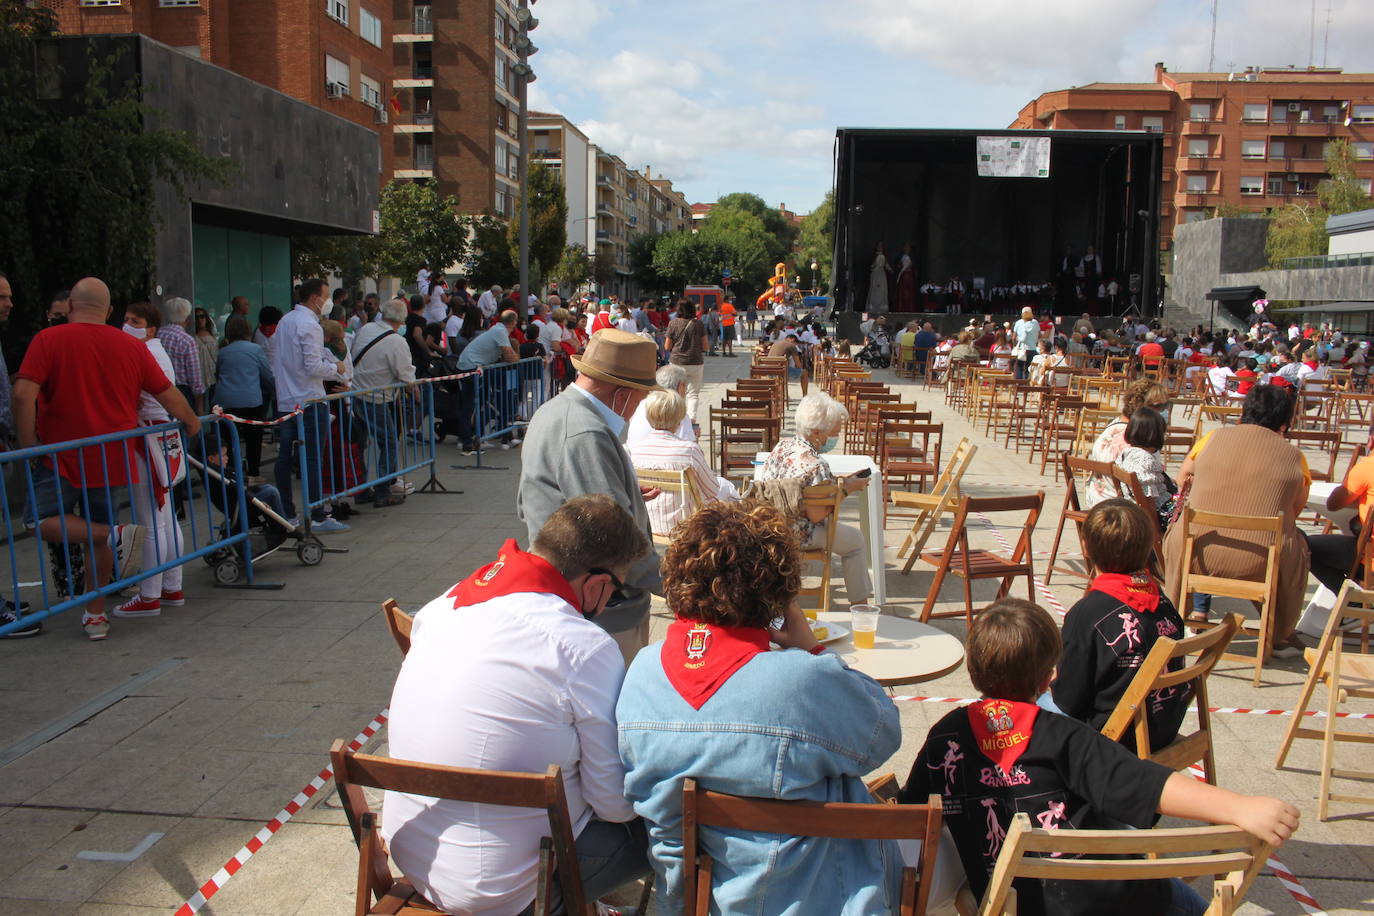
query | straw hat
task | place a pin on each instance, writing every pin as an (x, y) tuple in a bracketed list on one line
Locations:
[(620, 358)]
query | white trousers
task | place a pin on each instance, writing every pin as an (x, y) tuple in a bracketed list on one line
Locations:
[(695, 374), (162, 539), (851, 548)]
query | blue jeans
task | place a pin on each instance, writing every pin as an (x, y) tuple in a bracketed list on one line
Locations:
[(310, 427), (609, 857), (380, 419), (1202, 604), (1185, 901)]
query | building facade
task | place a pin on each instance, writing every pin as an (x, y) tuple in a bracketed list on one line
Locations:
[(332, 54), (1240, 141)]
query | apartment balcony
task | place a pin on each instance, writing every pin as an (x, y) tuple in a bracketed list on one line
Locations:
[(420, 28), (603, 181), (421, 174), (417, 125), (420, 78), (1200, 128), (1315, 126), (546, 155), (603, 237)]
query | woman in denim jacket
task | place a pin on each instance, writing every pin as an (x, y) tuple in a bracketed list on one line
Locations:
[(711, 702)]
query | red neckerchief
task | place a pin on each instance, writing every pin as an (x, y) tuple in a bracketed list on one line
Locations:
[(1138, 591), (267, 329), (699, 658), (1002, 729), (513, 572), (1310, 363)]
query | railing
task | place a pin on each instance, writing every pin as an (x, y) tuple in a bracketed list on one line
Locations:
[(87, 529), (424, 21), (1358, 259), (503, 398)]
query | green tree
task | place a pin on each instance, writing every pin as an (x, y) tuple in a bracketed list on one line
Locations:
[(548, 222), (1228, 210), (1341, 193), (490, 258), (817, 241), (80, 174), (1295, 231), (750, 245), (574, 268), (783, 233), (352, 257), (419, 227), (641, 258), (683, 258), (603, 265)]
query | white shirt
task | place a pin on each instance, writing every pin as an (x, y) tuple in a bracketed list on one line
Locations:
[(664, 451), (453, 327), (422, 280), (551, 336), (515, 683), (386, 363), (300, 363), (487, 304), (437, 310), (627, 325), (149, 408)]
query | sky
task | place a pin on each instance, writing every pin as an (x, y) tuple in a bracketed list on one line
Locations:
[(745, 95)]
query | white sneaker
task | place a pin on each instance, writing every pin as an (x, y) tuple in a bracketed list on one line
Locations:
[(329, 526), (402, 487), (127, 541)]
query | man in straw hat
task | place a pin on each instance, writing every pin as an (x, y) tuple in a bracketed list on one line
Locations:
[(573, 447)]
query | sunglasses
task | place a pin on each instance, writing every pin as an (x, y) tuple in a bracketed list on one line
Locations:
[(615, 580)]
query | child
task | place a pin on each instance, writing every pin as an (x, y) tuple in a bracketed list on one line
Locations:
[(1004, 755), (1144, 438), (1111, 629)]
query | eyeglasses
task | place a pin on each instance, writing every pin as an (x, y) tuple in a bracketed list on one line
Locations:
[(615, 580)]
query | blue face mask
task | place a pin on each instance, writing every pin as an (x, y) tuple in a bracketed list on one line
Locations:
[(829, 444)]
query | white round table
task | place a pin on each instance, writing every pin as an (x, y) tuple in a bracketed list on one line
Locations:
[(904, 652)]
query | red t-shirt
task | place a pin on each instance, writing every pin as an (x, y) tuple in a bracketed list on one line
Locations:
[(1245, 386), (601, 322), (1151, 352), (89, 377)]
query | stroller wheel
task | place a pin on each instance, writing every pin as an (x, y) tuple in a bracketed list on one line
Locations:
[(310, 552), (215, 556), (228, 570)]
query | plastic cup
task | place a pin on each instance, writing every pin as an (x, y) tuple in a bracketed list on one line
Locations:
[(810, 613), (863, 623)]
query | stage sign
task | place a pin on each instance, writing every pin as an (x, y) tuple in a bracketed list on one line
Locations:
[(1014, 157)]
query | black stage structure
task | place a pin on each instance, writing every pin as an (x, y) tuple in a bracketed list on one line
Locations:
[(923, 187)]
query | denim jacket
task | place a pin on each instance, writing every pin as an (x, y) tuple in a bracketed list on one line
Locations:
[(787, 725)]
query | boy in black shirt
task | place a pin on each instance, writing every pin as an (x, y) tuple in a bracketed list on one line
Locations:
[(1111, 629), (1004, 755)]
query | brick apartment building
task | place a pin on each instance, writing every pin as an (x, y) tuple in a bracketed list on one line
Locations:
[(333, 54), (1252, 139), (459, 123)]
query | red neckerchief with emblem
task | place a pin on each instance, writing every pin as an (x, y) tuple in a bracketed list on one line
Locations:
[(1002, 729), (514, 572), (1137, 590), (699, 658)]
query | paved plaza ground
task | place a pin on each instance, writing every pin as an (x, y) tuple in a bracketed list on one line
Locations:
[(196, 728)]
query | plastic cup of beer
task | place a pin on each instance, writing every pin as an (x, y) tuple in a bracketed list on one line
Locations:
[(863, 623), (810, 613)]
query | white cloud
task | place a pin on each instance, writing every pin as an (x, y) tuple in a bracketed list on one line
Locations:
[(570, 19)]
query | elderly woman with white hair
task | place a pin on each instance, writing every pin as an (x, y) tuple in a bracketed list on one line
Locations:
[(183, 350), (663, 448), (670, 377), (818, 421)]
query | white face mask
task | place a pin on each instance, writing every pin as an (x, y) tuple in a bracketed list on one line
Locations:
[(136, 333)]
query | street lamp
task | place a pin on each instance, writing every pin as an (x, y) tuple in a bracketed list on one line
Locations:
[(814, 265), (525, 74)]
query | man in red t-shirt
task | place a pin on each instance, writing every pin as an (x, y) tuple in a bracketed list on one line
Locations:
[(727, 326), (84, 379), (1151, 351)]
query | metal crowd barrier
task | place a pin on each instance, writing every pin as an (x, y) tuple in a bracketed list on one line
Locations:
[(185, 492), (506, 395)]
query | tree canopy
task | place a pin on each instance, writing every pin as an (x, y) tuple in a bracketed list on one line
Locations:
[(548, 222), (817, 241), (1299, 229)]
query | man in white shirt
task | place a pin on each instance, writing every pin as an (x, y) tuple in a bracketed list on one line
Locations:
[(381, 358), (507, 671), (489, 302), (300, 367)]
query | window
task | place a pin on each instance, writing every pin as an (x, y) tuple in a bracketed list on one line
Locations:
[(178, 3), (501, 70), (502, 118), (424, 155), (370, 27), (336, 73), (1366, 184), (1198, 149), (100, 2), (1252, 149), (1363, 149), (499, 157), (1277, 149), (1256, 111), (1197, 184), (1200, 111), (1252, 184), (501, 29), (1332, 113), (1120, 122), (371, 91), (1194, 216), (1362, 113), (1275, 185), (337, 9), (503, 202), (1152, 123)]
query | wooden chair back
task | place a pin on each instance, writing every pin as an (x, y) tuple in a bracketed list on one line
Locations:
[(1128, 485), (827, 496), (931, 507), (558, 854), (832, 820), (1346, 675), (1231, 856), (1077, 470), (1224, 414), (970, 564), (1130, 717), (679, 483), (741, 438), (1264, 593), (398, 624), (1327, 443)]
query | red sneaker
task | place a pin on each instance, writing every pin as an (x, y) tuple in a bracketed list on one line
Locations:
[(97, 627), (173, 599), (138, 606)]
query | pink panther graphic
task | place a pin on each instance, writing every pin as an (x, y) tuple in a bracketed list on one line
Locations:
[(1050, 819), (995, 832), (949, 765), (1130, 631)]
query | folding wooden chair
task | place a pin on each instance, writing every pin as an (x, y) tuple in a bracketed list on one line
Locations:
[(930, 507), (741, 439), (398, 624), (1023, 421), (558, 852), (1263, 593), (1154, 679), (1327, 443), (1225, 414), (908, 452), (1129, 487), (826, 496), (1232, 857), (970, 564), (833, 820), (679, 483), (1074, 468), (1346, 675)]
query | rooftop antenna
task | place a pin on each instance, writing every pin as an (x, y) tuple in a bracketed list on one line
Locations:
[(1312, 37), (1326, 39), (1212, 51)]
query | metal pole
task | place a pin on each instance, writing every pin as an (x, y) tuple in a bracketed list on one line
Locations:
[(523, 52)]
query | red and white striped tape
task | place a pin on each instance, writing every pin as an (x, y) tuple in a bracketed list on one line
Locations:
[(222, 413), (1040, 585), (240, 858), (1218, 709)]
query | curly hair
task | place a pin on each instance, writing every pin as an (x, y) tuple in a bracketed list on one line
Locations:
[(733, 564), (1140, 393)]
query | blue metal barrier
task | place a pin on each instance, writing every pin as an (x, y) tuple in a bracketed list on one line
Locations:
[(506, 395), (63, 485)]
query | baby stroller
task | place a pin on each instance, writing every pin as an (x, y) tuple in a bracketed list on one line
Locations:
[(877, 354), (268, 530)]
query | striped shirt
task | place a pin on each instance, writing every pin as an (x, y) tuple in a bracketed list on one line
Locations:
[(662, 451), (185, 356)]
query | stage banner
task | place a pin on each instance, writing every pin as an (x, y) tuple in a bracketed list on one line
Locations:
[(1014, 157)]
